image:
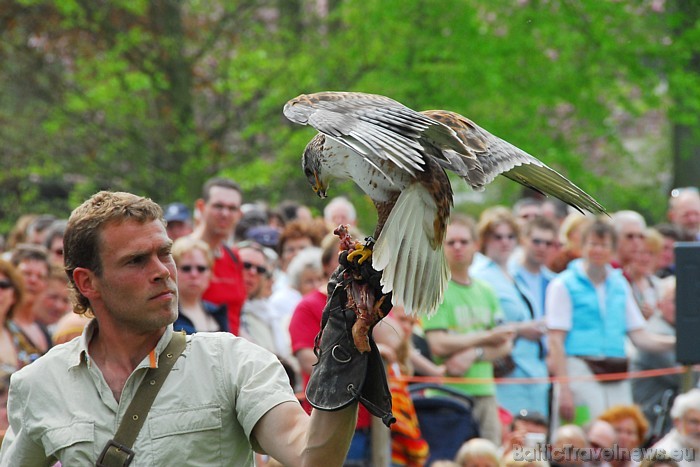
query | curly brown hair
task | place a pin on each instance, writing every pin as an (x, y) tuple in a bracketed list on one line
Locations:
[(314, 230), (620, 412), (82, 241)]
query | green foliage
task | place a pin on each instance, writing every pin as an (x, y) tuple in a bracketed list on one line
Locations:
[(157, 96)]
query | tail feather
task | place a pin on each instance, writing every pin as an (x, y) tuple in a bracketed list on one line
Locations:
[(416, 273)]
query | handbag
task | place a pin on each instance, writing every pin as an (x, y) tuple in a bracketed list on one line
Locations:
[(117, 452), (607, 365)]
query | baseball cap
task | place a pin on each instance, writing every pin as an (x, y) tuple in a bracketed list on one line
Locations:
[(264, 235), (176, 212)]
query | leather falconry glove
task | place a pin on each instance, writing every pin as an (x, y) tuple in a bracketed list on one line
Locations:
[(349, 365)]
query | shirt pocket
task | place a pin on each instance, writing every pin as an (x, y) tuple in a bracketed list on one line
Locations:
[(71, 443), (192, 433)]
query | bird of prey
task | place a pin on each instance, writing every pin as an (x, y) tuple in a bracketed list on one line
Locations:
[(398, 157)]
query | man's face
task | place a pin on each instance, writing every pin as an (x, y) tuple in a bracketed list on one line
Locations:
[(54, 303), (538, 245), (459, 246), (598, 250), (689, 427), (340, 214), (222, 212), (667, 256), (137, 289), (177, 229), (601, 436), (630, 242), (35, 273), (255, 270), (526, 213), (686, 213)]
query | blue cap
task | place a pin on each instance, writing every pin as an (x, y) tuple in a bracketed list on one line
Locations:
[(176, 212), (264, 235)]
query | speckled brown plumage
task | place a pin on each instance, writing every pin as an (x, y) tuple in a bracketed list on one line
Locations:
[(398, 157)]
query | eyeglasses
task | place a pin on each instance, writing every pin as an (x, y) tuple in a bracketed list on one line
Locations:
[(6, 285), (499, 237), (189, 268), (250, 267), (633, 235), (227, 207), (539, 241), (461, 242)]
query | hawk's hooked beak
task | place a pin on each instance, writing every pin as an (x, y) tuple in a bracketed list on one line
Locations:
[(318, 187)]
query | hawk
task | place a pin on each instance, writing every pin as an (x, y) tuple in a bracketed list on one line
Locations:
[(398, 157)]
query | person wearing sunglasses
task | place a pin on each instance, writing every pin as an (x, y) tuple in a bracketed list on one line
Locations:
[(194, 261), (528, 269), (11, 296), (258, 323), (499, 233)]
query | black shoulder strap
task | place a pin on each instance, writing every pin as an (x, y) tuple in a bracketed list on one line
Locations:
[(230, 252), (117, 452)]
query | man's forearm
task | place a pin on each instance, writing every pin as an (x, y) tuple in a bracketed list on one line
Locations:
[(329, 436)]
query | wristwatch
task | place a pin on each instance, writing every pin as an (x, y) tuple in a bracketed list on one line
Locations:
[(479, 353)]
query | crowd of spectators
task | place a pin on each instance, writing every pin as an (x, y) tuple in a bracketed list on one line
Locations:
[(536, 291)]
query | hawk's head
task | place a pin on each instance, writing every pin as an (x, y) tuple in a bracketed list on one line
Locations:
[(311, 164)]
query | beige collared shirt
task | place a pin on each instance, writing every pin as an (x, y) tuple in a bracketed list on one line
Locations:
[(60, 407)]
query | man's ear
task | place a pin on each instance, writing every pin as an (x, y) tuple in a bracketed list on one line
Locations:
[(86, 282), (199, 204)]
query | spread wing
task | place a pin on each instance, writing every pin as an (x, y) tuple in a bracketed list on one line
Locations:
[(497, 156), (374, 126), (377, 127)]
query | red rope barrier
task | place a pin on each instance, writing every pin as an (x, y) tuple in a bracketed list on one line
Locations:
[(550, 379)]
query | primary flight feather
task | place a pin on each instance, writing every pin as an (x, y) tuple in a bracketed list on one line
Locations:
[(398, 157)]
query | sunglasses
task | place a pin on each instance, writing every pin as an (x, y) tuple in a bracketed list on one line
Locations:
[(250, 267), (539, 241), (189, 268), (6, 285)]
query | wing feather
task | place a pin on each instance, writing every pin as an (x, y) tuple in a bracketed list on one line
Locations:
[(389, 129), (496, 156)]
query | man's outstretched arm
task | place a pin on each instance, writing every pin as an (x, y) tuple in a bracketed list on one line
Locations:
[(294, 438)]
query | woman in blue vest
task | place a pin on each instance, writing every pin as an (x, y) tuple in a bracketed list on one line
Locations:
[(590, 309)]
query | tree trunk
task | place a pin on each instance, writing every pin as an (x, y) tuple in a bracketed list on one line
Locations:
[(686, 137)]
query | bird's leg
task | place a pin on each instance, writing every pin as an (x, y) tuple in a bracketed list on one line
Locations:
[(368, 312), (363, 251)]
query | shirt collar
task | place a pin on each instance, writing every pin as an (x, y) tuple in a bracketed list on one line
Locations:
[(151, 360)]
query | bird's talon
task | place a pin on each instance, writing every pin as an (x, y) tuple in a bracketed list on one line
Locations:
[(360, 250)]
